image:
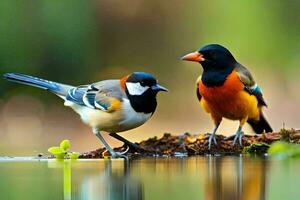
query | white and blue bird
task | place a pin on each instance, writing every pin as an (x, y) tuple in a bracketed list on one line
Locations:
[(111, 105)]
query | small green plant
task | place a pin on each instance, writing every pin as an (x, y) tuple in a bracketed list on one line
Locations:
[(62, 151), (258, 149), (286, 134)]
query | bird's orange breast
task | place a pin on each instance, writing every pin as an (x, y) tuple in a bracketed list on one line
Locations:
[(229, 100)]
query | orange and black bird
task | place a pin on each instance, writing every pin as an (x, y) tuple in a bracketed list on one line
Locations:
[(227, 89)]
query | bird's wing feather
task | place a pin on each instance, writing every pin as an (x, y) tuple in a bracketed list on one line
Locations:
[(249, 84), (75, 94), (104, 95), (197, 89)]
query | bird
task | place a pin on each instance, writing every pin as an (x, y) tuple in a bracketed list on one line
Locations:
[(227, 89), (110, 106)]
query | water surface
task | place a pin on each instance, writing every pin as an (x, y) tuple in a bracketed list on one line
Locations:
[(150, 178)]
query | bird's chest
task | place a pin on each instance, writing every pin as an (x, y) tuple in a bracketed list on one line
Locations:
[(224, 93), (131, 118), (123, 119), (227, 99)]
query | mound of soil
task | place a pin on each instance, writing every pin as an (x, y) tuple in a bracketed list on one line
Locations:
[(189, 145)]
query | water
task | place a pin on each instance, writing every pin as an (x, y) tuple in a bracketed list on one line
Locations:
[(150, 178)]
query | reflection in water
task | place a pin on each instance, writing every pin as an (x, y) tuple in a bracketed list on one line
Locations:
[(67, 179), (113, 183), (235, 180), (224, 178), (207, 178)]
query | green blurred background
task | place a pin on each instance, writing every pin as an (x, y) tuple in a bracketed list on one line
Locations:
[(79, 42)]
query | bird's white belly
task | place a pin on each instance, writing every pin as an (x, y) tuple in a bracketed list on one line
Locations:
[(117, 121)]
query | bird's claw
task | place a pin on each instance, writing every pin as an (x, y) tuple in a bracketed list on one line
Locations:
[(238, 136), (119, 155), (115, 154), (212, 137), (132, 146)]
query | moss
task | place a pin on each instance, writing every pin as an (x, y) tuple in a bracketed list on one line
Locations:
[(258, 149), (286, 135)]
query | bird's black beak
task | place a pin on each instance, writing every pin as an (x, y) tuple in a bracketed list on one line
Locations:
[(158, 88), (195, 56)]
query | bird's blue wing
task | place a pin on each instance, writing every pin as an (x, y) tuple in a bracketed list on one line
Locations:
[(75, 95), (94, 97)]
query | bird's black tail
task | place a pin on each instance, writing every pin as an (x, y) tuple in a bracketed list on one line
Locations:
[(57, 88), (261, 125)]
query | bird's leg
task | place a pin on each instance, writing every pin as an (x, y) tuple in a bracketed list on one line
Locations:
[(213, 136), (239, 133), (131, 145), (111, 151), (217, 120)]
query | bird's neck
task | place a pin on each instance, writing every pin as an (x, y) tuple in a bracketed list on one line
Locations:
[(214, 77), (145, 103)]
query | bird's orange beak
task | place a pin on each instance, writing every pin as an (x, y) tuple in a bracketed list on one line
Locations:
[(195, 56)]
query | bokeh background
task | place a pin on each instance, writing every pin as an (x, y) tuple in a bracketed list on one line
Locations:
[(79, 42)]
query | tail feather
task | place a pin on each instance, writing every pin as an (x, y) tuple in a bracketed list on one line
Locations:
[(260, 126), (57, 88)]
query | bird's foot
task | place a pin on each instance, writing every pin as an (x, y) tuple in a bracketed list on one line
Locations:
[(132, 146), (238, 136), (109, 149), (211, 138), (119, 155), (115, 154)]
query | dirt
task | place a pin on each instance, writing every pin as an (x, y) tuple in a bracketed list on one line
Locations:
[(189, 145)]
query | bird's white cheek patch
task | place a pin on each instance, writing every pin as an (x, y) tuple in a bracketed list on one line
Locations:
[(136, 88)]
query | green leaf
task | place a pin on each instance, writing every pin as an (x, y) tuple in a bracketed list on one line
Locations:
[(74, 155), (56, 150), (65, 145), (284, 150)]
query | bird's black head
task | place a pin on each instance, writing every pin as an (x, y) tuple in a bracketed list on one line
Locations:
[(141, 89), (216, 57), (212, 57), (217, 63)]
